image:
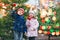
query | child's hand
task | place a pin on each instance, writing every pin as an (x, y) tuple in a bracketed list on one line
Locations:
[(25, 33)]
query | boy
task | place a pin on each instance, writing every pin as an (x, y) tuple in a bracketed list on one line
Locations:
[(19, 24)]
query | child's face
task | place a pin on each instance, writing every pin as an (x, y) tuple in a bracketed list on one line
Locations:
[(31, 15), (20, 12)]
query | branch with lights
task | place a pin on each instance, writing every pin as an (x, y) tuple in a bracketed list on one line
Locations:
[(49, 24)]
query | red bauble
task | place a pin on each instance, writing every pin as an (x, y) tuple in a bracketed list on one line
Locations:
[(14, 4), (49, 27), (48, 32), (43, 21), (0, 4), (40, 27), (54, 12)]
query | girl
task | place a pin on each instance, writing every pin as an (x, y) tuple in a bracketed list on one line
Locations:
[(32, 26)]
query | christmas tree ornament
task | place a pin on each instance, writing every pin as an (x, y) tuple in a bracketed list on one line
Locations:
[(43, 13), (42, 16), (49, 27), (47, 19), (54, 12), (48, 32), (49, 11), (57, 33), (15, 4), (45, 32), (54, 18), (14, 8), (43, 27), (57, 27), (25, 10), (3, 13), (10, 31), (43, 20), (53, 33), (40, 31), (1, 4), (4, 7), (19, 4)]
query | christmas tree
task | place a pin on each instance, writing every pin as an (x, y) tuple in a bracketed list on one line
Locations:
[(6, 21), (49, 20)]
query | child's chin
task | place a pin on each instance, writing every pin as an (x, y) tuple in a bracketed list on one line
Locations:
[(20, 14)]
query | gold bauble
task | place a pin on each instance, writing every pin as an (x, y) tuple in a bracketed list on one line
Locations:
[(53, 33), (54, 18), (57, 33)]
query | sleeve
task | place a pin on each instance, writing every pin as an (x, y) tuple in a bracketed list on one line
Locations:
[(24, 26), (27, 23), (13, 14)]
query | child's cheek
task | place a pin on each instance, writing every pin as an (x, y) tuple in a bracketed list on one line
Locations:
[(18, 12)]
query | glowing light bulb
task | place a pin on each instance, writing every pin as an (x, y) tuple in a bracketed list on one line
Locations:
[(40, 31)]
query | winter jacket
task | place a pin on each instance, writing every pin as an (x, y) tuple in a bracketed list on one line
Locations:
[(32, 27), (19, 22)]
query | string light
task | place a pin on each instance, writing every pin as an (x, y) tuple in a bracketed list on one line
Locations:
[(40, 31), (53, 33)]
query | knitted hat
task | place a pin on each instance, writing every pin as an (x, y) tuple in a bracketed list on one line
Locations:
[(32, 12), (21, 9)]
